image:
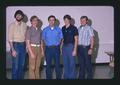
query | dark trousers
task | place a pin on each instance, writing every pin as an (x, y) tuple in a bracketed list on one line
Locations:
[(85, 62), (18, 61), (68, 62), (52, 53)]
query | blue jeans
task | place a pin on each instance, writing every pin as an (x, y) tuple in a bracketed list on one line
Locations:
[(52, 53), (85, 62), (68, 62), (18, 61)]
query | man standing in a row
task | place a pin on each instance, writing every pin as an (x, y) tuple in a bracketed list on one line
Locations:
[(52, 36), (85, 48), (35, 48), (69, 48), (16, 38)]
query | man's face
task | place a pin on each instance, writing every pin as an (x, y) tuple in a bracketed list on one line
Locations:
[(35, 21), (51, 21), (83, 21), (66, 21), (19, 17)]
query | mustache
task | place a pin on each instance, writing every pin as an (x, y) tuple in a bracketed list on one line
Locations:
[(19, 19)]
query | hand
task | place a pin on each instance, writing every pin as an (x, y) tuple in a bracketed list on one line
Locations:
[(26, 49), (74, 53), (42, 53), (90, 52), (32, 56), (14, 53), (61, 51)]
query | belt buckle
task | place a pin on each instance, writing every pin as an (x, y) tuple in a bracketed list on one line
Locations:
[(35, 45)]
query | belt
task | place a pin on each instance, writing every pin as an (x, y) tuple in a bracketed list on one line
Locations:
[(84, 46), (68, 44), (18, 42), (53, 46), (35, 45)]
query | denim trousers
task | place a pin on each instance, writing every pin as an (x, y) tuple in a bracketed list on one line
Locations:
[(18, 61), (68, 62), (52, 53), (84, 62)]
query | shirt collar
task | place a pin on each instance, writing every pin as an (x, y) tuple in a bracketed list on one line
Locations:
[(83, 25), (34, 28), (17, 23), (51, 28), (69, 26)]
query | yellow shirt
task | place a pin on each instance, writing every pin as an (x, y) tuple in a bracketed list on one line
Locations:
[(16, 32)]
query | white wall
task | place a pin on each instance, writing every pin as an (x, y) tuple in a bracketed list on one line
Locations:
[(102, 21)]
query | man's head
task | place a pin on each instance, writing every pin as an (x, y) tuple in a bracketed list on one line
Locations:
[(84, 20), (67, 19), (34, 20), (19, 15), (51, 20)]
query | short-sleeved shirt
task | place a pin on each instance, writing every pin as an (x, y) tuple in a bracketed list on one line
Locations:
[(34, 35), (16, 32), (85, 33), (52, 36), (69, 34)]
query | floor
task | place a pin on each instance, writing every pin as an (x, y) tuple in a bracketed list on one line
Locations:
[(100, 72)]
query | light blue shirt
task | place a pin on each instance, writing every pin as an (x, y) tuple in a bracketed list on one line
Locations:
[(85, 33), (52, 36)]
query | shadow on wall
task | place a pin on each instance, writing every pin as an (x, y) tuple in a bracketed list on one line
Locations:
[(25, 19), (57, 22), (40, 23), (96, 43), (72, 21)]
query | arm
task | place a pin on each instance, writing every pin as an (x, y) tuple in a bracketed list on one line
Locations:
[(91, 42), (14, 53), (29, 48), (11, 45), (28, 43), (61, 38), (61, 41), (90, 51), (61, 44), (75, 46), (42, 48), (10, 40), (76, 42), (10, 37)]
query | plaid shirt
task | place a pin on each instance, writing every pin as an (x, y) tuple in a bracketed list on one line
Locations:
[(85, 33)]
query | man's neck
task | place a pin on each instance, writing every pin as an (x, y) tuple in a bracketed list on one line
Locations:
[(19, 22), (34, 26), (84, 25), (67, 25), (51, 26)]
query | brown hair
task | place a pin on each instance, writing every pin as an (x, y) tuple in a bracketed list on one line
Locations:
[(33, 17), (51, 16), (18, 12)]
